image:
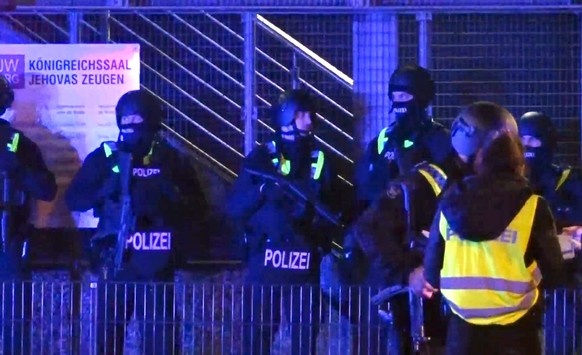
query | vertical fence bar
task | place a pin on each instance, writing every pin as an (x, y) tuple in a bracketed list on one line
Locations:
[(580, 77), (295, 72), (375, 57), (424, 20), (249, 20), (104, 27), (74, 18)]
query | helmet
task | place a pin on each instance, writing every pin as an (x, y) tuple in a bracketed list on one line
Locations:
[(6, 94), (475, 122), (414, 80), (539, 125), (283, 111), (143, 103)]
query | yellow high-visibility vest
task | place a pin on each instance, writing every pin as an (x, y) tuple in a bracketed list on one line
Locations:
[(488, 282)]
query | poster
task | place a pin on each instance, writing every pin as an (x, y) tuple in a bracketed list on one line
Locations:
[(65, 96)]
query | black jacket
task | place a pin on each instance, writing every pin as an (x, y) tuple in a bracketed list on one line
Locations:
[(562, 188), (564, 197), (30, 180), (432, 143), (265, 212), (480, 208), (382, 238), (168, 195)]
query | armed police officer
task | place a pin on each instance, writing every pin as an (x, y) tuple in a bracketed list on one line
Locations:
[(412, 138), (560, 185), (142, 187), (284, 236), (25, 177)]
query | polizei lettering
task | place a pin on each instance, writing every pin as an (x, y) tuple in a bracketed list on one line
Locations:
[(150, 241), (143, 172), (285, 259)]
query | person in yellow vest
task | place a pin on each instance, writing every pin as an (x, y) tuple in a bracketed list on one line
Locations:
[(492, 241)]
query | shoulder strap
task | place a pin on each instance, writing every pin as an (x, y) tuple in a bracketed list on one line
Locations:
[(434, 175)]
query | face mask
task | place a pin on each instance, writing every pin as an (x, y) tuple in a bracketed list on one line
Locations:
[(136, 138), (409, 115)]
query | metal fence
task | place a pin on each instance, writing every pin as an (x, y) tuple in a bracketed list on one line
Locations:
[(218, 69), (165, 318)]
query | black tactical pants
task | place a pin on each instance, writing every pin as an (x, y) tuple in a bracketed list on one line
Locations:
[(150, 304), (262, 310), (16, 306)]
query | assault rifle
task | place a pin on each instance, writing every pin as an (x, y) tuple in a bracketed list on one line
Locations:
[(127, 222), (420, 342), (301, 196)]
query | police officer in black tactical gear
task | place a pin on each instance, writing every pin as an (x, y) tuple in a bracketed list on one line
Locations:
[(388, 237), (167, 205), (24, 177), (412, 138), (560, 185), (284, 238)]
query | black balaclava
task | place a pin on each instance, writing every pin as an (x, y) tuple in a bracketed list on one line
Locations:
[(411, 115), (138, 138), (538, 125)]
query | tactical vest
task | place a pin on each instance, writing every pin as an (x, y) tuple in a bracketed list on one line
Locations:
[(283, 165), (110, 148), (487, 282), (382, 142)]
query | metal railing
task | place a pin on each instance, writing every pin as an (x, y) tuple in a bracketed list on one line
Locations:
[(92, 316)]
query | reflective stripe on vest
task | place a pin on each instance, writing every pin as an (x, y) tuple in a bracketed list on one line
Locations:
[(488, 282), (435, 176), (283, 165), (13, 144), (563, 178), (110, 147), (383, 139)]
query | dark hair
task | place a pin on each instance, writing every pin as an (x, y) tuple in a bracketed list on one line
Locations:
[(501, 152)]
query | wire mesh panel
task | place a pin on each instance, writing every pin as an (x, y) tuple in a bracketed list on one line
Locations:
[(194, 61), (522, 61)]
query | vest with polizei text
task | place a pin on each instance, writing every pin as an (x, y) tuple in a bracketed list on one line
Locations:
[(488, 282)]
